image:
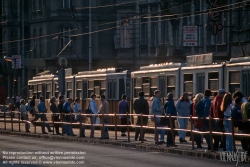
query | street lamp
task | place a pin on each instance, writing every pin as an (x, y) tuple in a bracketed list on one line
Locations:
[(10, 59)]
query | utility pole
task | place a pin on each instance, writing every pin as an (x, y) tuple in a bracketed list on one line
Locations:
[(201, 29), (23, 58), (90, 40)]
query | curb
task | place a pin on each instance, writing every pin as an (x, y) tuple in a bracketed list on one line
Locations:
[(176, 150)]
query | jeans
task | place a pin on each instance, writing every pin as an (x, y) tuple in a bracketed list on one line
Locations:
[(56, 119), (161, 131), (183, 123), (67, 128), (92, 131), (228, 129)]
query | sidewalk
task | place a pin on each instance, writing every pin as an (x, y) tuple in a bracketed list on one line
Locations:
[(181, 149)]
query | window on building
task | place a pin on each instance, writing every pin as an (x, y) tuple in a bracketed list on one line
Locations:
[(164, 33), (33, 46), (65, 4), (40, 42), (144, 34), (34, 5), (13, 44), (5, 45), (65, 32), (125, 37), (234, 81), (156, 35), (3, 7), (13, 6)]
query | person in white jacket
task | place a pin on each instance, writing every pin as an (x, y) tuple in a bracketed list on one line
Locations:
[(94, 109), (24, 115)]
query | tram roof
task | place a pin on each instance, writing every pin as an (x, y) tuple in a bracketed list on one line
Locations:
[(239, 60), (51, 76), (162, 66)]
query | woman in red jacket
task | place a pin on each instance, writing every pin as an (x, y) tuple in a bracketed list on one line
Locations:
[(198, 124)]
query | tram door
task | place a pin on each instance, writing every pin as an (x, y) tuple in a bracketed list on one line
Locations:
[(246, 83)]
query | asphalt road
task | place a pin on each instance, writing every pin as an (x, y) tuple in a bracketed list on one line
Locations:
[(96, 155)]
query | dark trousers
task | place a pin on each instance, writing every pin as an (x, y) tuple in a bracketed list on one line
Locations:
[(169, 133), (138, 130), (104, 130), (56, 119), (220, 138), (214, 128), (123, 122), (43, 118)]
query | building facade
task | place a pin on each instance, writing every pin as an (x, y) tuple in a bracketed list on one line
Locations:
[(126, 35)]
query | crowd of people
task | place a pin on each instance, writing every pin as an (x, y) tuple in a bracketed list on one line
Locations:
[(226, 107)]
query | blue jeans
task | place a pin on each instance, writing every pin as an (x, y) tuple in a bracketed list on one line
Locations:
[(67, 128), (93, 121), (161, 131), (229, 138), (183, 123)]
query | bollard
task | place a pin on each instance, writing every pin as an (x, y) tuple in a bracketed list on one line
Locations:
[(102, 129), (19, 120), (233, 136), (61, 116), (115, 128), (128, 127), (172, 130), (156, 131), (11, 121), (192, 134), (4, 119), (211, 134), (141, 134), (53, 124)]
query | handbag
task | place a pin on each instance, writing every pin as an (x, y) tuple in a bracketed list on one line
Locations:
[(88, 111), (164, 120)]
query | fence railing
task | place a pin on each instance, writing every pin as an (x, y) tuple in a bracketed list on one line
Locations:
[(82, 123)]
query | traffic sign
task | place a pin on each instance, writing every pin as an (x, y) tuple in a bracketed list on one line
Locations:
[(18, 61), (62, 61)]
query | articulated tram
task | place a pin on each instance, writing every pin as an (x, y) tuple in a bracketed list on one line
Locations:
[(198, 74)]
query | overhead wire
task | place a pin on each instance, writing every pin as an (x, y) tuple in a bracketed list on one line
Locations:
[(76, 35)]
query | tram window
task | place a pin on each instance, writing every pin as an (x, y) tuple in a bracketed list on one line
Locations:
[(90, 88), (213, 81), (234, 81), (188, 84), (137, 86), (112, 89), (56, 91), (171, 84), (162, 85), (245, 83), (145, 86), (103, 87), (79, 89), (39, 90), (31, 90), (48, 91), (97, 88), (35, 90), (128, 88), (69, 90), (121, 87), (84, 90), (200, 82)]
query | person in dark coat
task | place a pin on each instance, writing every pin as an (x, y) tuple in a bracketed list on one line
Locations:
[(60, 107), (141, 107), (55, 117)]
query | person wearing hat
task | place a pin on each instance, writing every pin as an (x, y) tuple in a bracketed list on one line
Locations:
[(216, 112), (94, 108), (170, 109), (183, 110)]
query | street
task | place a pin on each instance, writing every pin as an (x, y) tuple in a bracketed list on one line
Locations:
[(101, 155)]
